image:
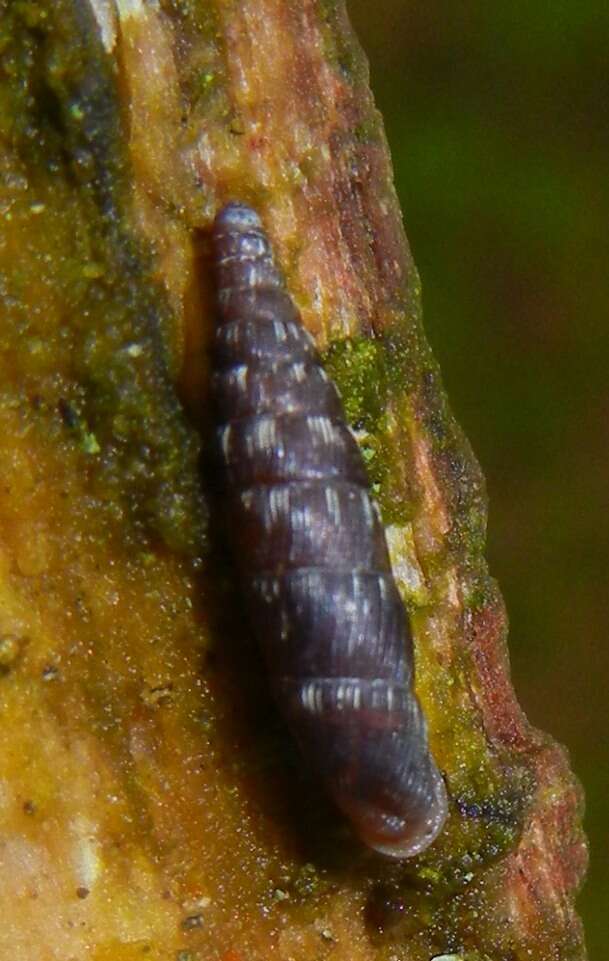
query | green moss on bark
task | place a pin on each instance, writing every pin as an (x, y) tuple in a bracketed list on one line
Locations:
[(108, 360)]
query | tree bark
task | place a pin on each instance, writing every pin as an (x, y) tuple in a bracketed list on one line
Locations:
[(151, 803)]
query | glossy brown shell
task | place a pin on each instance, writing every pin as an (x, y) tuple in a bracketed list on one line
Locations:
[(310, 547)]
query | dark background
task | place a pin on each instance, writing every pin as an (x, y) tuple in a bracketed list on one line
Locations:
[(498, 119)]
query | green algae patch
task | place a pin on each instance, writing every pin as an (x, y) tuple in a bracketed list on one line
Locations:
[(93, 328), (359, 367)]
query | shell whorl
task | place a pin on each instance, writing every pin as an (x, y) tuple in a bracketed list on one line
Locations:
[(312, 555)]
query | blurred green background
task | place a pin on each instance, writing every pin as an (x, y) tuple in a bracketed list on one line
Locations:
[(498, 119)]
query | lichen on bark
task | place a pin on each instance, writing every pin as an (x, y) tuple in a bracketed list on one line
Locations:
[(151, 803)]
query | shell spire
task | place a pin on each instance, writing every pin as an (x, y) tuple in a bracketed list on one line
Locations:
[(312, 555)]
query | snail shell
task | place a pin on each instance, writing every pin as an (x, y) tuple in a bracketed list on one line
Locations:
[(312, 556)]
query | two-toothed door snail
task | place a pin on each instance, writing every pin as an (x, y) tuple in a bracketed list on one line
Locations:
[(311, 552)]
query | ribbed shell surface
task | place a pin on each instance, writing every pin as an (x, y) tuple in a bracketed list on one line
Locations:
[(310, 548)]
